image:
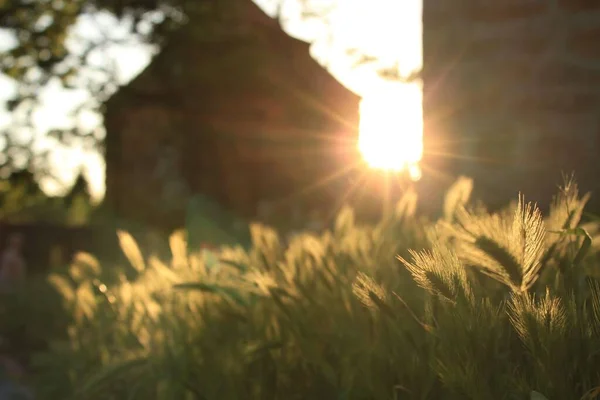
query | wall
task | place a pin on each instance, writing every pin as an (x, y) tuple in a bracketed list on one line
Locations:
[(233, 118), (512, 93)]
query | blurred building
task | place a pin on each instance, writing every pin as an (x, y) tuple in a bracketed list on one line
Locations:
[(245, 117), (512, 94)]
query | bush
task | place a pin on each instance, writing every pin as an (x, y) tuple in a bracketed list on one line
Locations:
[(475, 305)]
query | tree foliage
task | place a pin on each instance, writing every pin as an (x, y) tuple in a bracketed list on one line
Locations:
[(44, 50), (41, 27), (23, 201)]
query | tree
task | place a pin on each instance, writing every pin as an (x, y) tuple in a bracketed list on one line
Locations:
[(79, 190), (24, 179), (19, 195), (42, 54), (78, 201)]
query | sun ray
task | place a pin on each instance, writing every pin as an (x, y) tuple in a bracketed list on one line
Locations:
[(346, 195), (318, 184), (312, 101), (483, 160), (434, 173)]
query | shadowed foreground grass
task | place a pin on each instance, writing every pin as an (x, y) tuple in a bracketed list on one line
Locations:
[(471, 306)]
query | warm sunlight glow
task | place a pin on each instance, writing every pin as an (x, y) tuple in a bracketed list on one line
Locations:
[(388, 30), (391, 129)]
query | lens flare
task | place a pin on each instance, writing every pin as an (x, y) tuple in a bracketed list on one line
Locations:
[(391, 129)]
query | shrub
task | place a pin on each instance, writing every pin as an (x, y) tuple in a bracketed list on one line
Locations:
[(476, 305)]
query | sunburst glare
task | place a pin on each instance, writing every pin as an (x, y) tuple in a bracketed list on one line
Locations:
[(391, 129)]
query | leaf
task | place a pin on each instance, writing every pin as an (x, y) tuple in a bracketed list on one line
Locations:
[(276, 296), (230, 292), (260, 351), (537, 396), (199, 286), (585, 245), (591, 394), (595, 300), (131, 250), (237, 265), (111, 372)]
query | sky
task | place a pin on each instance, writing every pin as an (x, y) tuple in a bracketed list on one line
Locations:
[(390, 112)]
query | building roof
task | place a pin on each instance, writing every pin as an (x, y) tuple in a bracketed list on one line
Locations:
[(287, 61)]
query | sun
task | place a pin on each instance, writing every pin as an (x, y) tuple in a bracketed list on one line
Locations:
[(391, 129)]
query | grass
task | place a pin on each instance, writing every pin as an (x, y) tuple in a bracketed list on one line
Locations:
[(474, 305)]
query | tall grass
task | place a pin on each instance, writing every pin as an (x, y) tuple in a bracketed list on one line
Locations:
[(475, 305)]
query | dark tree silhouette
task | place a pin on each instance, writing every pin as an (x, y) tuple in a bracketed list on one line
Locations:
[(25, 180), (80, 189)]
